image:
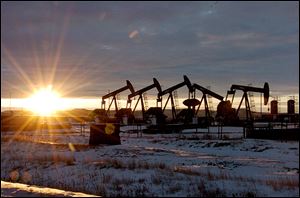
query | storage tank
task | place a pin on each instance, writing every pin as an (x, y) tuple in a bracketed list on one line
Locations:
[(274, 107), (291, 106)]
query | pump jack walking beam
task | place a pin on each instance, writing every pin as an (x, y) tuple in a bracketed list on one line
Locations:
[(170, 92), (205, 92), (140, 94), (265, 90), (113, 94)]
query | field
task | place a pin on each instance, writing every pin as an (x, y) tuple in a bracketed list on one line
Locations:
[(152, 165)]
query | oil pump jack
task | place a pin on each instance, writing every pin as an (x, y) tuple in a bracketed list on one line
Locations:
[(170, 92), (189, 114), (114, 94), (205, 92), (140, 94), (245, 89)]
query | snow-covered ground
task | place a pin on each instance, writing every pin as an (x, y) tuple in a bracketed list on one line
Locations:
[(9, 189), (153, 165)]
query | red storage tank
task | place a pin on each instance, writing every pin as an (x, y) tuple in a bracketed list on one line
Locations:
[(291, 106), (274, 107)]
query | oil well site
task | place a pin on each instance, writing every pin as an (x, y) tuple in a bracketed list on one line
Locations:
[(119, 151), (150, 99)]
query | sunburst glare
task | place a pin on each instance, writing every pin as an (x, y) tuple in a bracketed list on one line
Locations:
[(45, 102)]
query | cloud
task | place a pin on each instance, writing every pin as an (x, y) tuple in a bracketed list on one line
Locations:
[(102, 44)]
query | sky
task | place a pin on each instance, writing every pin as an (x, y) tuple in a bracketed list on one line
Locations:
[(84, 49)]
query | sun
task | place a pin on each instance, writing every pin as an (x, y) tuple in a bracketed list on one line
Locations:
[(45, 102)]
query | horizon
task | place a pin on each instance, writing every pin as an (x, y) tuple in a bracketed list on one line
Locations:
[(95, 103)]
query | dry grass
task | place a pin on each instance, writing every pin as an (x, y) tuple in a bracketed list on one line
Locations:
[(158, 165), (210, 176), (201, 189), (244, 194), (288, 183), (144, 165), (55, 158), (223, 175), (116, 163), (122, 181), (68, 159), (44, 160), (141, 191), (141, 180), (131, 165), (156, 179), (174, 188), (124, 187), (110, 184), (186, 171), (106, 178), (277, 184), (100, 189)]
